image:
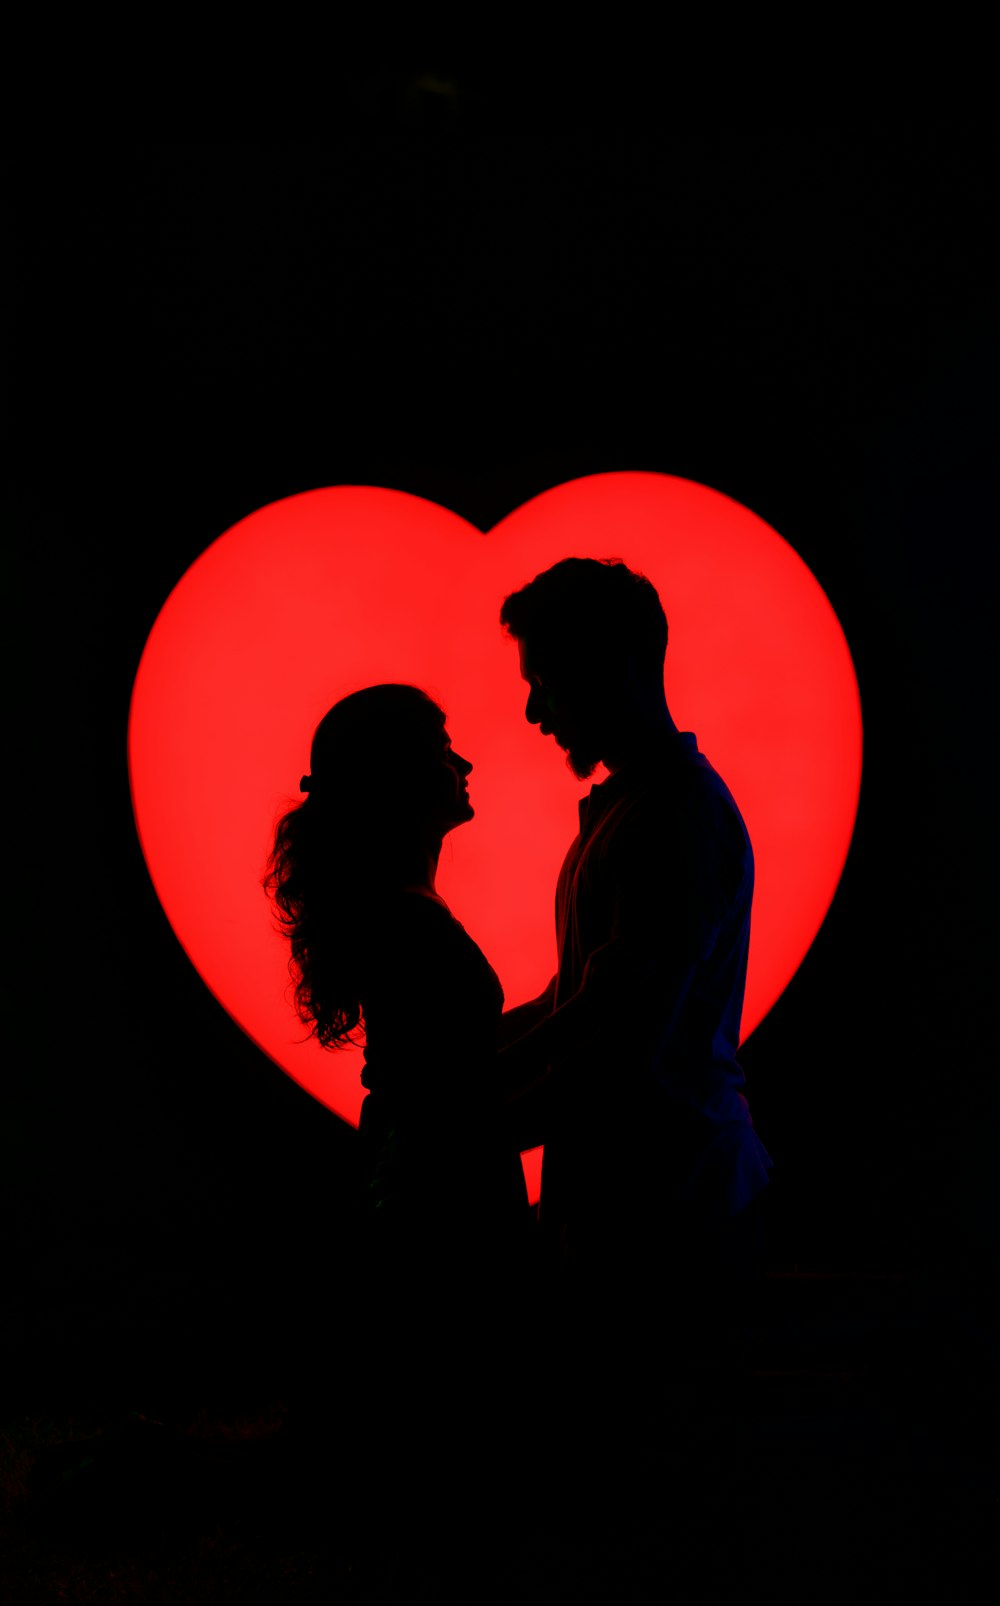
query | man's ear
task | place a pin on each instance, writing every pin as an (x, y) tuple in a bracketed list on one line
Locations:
[(639, 675)]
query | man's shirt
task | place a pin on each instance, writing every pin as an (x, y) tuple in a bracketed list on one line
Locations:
[(656, 894)]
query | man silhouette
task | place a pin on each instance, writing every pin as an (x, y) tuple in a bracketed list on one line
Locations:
[(625, 1068)]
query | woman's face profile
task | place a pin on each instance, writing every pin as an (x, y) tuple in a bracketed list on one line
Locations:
[(448, 792), (393, 745)]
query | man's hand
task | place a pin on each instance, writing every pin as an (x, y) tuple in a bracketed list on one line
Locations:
[(523, 1018)]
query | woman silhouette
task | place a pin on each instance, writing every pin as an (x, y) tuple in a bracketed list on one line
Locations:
[(444, 1224)]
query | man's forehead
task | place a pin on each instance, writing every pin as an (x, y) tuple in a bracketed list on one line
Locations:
[(536, 663), (526, 658), (556, 661)]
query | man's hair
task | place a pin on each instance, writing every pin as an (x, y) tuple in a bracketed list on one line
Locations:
[(600, 601)]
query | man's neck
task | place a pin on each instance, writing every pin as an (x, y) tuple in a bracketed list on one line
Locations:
[(638, 737)]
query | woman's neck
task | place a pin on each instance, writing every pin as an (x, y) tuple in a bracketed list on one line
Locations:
[(424, 877)]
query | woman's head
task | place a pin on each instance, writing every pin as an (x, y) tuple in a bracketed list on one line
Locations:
[(384, 787), (381, 758)]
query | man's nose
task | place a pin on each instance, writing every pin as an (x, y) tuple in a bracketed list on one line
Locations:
[(533, 708)]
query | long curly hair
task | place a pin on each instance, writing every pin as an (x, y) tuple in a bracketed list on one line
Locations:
[(357, 836)]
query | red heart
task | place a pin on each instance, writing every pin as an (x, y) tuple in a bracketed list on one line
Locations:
[(320, 593)]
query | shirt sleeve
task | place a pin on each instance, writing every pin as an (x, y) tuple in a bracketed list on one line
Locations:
[(677, 874)]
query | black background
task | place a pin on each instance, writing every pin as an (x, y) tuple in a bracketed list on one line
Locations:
[(473, 306)]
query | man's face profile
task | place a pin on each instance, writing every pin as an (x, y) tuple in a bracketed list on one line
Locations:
[(564, 701)]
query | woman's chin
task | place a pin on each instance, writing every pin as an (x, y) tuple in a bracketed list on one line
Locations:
[(468, 813)]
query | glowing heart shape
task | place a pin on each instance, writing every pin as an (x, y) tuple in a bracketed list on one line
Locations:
[(333, 589)]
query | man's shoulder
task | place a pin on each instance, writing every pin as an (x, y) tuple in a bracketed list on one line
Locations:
[(681, 792), (674, 773)]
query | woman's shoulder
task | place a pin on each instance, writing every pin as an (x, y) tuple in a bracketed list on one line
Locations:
[(414, 946), (422, 895), (407, 915), (420, 907)]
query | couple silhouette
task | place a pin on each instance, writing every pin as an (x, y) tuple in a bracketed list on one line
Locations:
[(624, 1069)]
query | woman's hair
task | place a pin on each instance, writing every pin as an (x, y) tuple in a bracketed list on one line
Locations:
[(356, 835)]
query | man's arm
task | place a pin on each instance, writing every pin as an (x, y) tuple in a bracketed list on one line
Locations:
[(514, 1023), (538, 1068), (672, 894), (617, 981)]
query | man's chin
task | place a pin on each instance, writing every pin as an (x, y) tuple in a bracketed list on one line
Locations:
[(581, 763)]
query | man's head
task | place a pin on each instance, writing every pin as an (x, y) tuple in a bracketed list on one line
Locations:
[(592, 636)]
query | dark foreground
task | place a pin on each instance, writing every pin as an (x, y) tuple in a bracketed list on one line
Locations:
[(849, 1456)]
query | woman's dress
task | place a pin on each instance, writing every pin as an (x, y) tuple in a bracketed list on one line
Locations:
[(446, 1206)]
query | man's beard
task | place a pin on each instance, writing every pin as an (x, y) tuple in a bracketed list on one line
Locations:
[(582, 760)]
